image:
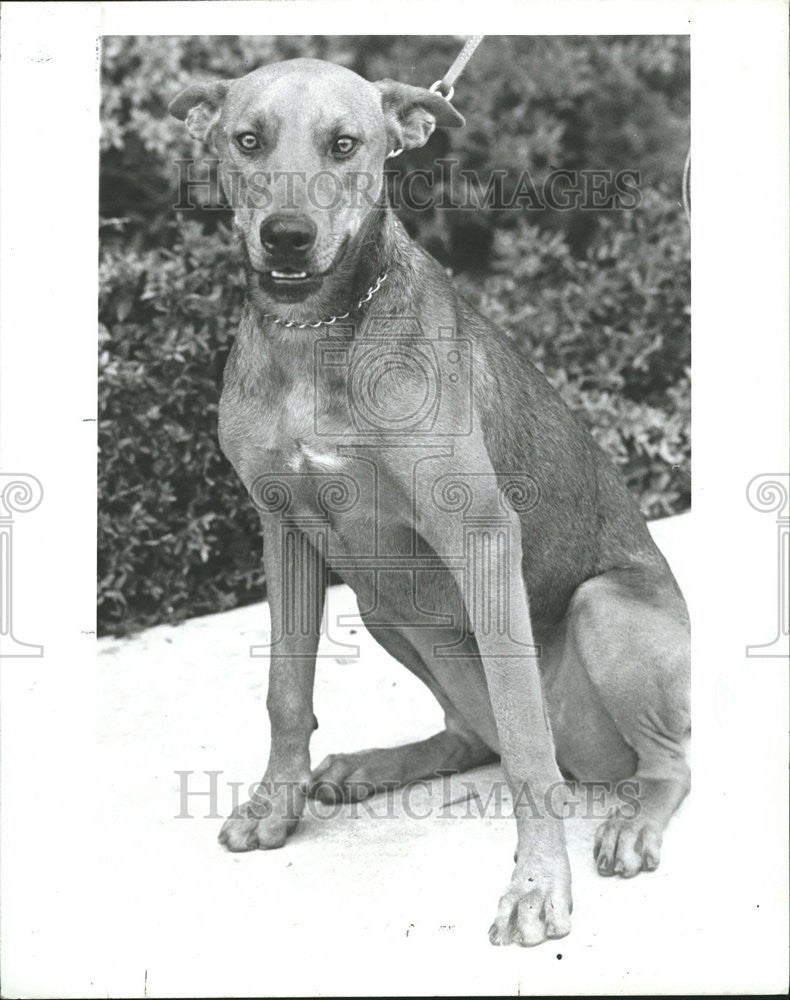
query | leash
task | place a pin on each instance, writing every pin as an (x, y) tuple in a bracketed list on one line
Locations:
[(685, 187), (446, 86)]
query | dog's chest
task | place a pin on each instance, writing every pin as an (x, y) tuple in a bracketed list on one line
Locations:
[(323, 445), (278, 430), (294, 452)]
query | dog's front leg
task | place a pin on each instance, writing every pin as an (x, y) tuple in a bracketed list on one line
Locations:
[(537, 903), (296, 582)]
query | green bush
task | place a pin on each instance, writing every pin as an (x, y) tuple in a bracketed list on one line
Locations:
[(611, 333), (177, 535), (598, 300)]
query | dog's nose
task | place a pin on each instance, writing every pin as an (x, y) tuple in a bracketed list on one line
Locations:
[(283, 234)]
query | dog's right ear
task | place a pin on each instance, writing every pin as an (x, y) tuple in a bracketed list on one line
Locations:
[(199, 107)]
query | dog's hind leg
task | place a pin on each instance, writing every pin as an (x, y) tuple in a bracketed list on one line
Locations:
[(627, 631), (353, 776)]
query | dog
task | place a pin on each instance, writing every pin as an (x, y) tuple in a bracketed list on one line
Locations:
[(389, 432)]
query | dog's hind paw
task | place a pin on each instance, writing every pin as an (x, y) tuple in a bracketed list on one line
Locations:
[(626, 846), (348, 777)]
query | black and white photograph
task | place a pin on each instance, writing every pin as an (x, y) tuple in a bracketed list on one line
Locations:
[(373, 627)]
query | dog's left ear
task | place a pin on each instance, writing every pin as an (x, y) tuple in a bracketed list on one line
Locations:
[(199, 107), (412, 113)]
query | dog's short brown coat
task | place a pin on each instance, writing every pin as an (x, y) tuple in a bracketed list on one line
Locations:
[(573, 569)]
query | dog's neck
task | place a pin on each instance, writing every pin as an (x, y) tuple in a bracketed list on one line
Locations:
[(373, 252), (266, 353)]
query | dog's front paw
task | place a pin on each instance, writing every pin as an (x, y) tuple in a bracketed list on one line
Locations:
[(267, 820), (536, 906)]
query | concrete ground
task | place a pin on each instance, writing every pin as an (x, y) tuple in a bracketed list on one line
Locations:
[(393, 897)]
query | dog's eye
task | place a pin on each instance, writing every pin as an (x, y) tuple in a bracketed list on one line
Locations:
[(248, 141), (344, 146)]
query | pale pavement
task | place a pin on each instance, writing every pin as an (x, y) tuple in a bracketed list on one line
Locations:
[(395, 902)]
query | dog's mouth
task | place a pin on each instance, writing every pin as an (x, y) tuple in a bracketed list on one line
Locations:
[(291, 283), (289, 275)]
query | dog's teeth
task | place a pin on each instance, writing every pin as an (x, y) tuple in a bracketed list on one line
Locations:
[(289, 274)]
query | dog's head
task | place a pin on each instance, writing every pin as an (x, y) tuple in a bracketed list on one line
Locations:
[(302, 146)]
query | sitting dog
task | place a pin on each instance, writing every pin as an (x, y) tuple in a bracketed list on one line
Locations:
[(387, 431)]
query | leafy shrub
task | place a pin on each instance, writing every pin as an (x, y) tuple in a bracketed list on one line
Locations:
[(598, 300), (610, 331), (176, 529)]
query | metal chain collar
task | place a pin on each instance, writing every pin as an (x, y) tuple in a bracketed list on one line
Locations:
[(332, 319)]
